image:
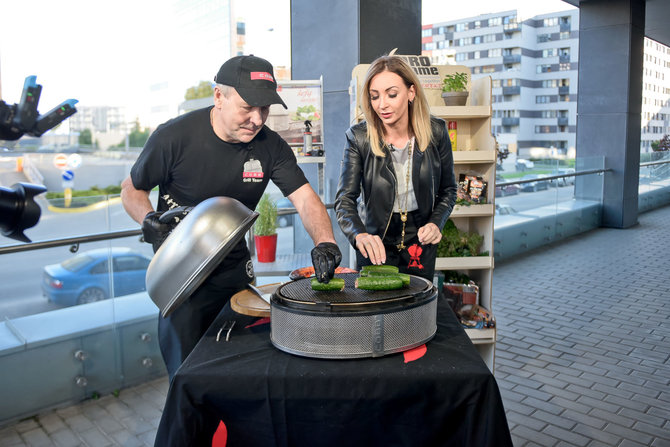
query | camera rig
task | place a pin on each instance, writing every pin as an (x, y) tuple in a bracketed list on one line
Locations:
[(18, 209), (23, 118)]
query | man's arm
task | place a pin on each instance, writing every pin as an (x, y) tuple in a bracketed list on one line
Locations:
[(313, 214), (135, 201)]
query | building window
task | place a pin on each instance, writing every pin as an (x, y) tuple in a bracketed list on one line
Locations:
[(427, 32), (476, 55), (495, 52), (564, 66), (544, 68), (495, 83), (460, 57), (549, 83), (542, 99), (488, 69), (541, 38), (495, 21), (549, 52), (564, 98), (552, 21), (564, 35)]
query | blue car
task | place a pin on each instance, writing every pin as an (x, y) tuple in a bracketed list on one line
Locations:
[(85, 278)]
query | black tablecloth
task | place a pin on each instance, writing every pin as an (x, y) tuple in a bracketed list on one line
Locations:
[(266, 397)]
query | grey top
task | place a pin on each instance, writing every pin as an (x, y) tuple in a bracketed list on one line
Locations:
[(405, 197)]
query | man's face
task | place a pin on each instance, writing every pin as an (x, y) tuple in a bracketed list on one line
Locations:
[(234, 120)]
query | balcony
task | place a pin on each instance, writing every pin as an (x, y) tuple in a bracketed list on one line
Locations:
[(563, 58), (564, 90), (511, 58), (513, 90), (510, 121), (562, 121)]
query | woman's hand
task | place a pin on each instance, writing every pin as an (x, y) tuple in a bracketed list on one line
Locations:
[(371, 247), (429, 234)]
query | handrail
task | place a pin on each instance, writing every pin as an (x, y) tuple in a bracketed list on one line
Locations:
[(75, 241), (652, 163), (553, 177)]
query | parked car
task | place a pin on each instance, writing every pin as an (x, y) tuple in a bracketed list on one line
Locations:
[(538, 185), (284, 220), (84, 278), (508, 190), (503, 209), (523, 164), (565, 181)]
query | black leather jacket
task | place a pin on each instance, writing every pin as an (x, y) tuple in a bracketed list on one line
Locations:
[(363, 172)]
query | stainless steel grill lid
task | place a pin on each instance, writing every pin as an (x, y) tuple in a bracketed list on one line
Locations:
[(352, 323), (194, 249)]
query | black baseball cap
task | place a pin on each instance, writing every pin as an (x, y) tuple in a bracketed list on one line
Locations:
[(253, 78)]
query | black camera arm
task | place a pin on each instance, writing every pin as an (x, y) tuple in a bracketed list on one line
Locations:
[(23, 118)]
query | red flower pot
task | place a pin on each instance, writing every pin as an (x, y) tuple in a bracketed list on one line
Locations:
[(266, 247)]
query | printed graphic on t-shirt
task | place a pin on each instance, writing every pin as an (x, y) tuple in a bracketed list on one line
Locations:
[(253, 171)]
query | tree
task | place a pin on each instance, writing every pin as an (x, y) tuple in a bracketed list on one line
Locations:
[(203, 90), (662, 145), (85, 137), (137, 137)]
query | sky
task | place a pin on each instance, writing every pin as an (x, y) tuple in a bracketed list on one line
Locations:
[(102, 53)]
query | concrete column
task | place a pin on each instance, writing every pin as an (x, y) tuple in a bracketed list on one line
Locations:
[(329, 39), (611, 44)]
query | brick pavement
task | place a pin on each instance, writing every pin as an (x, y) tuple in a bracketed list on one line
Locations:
[(583, 355)]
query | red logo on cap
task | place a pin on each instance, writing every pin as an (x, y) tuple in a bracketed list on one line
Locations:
[(262, 75)]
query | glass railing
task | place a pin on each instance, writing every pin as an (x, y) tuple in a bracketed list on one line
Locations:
[(541, 201)]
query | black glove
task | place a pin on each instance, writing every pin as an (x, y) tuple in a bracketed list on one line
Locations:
[(154, 231), (326, 257)]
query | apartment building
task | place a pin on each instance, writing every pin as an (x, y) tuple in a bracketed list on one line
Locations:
[(533, 65)]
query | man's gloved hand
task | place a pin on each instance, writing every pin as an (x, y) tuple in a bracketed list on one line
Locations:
[(154, 231), (326, 257)]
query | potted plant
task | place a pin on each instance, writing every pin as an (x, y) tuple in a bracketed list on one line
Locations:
[(455, 89), (265, 229)]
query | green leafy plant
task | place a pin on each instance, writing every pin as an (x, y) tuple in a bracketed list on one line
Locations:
[(455, 82), (457, 243), (266, 224)]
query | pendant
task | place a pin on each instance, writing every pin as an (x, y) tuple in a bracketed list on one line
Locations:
[(401, 246), (403, 217)]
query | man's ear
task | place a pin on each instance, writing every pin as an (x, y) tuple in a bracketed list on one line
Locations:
[(219, 98)]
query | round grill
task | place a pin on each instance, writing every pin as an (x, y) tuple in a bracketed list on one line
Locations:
[(352, 323)]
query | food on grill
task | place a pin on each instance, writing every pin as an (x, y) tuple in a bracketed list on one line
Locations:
[(334, 284), (306, 272), (404, 276), (381, 282), (380, 268)]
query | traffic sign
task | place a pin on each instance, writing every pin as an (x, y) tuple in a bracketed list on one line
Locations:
[(68, 175), (60, 161), (74, 161)]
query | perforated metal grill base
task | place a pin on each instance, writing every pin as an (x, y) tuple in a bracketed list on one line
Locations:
[(378, 328)]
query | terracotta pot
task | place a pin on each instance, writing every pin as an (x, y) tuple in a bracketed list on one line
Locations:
[(455, 98), (266, 247)]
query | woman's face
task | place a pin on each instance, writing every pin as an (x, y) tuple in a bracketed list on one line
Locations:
[(390, 97)]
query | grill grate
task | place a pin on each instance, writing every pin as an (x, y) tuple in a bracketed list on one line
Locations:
[(301, 291)]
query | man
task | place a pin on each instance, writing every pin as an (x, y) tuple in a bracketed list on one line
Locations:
[(212, 152)]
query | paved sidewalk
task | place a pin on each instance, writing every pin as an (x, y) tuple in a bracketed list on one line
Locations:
[(583, 356)]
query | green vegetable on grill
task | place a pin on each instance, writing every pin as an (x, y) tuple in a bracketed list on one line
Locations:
[(404, 276), (389, 269), (334, 284), (381, 282)]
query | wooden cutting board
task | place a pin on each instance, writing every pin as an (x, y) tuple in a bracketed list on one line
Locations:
[(246, 302)]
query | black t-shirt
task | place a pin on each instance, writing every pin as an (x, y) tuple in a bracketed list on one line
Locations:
[(189, 163)]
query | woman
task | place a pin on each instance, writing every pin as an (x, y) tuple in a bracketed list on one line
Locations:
[(400, 162)]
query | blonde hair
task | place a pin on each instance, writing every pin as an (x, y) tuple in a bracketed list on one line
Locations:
[(419, 114)]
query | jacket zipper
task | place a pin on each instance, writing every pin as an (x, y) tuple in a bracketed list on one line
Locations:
[(394, 189)]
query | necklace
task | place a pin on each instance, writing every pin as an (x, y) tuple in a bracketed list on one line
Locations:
[(403, 212)]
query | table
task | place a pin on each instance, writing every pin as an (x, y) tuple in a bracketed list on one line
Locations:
[(266, 397)]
